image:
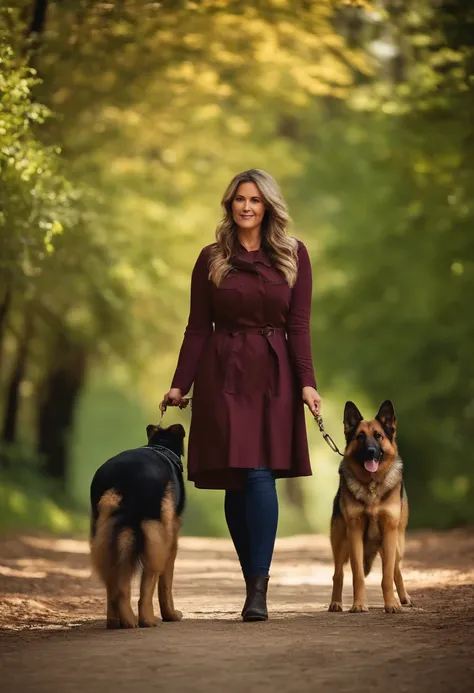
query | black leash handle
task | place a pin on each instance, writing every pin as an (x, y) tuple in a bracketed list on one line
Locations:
[(319, 420)]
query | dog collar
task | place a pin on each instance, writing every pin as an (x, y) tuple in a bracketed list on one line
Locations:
[(171, 456)]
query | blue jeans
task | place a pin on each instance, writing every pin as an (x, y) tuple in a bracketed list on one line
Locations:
[(252, 519)]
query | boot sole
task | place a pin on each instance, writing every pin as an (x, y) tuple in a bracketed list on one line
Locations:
[(251, 618)]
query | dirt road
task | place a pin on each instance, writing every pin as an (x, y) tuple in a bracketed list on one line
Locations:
[(53, 638)]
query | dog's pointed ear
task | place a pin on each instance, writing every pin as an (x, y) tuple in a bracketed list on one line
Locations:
[(386, 417), (352, 418), (151, 429), (177, 430)]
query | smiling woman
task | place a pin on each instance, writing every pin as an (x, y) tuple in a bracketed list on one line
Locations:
[(256, 214), (248, 210), (247, 349)]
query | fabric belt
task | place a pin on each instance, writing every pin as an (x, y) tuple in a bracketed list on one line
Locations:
[(265, 331)]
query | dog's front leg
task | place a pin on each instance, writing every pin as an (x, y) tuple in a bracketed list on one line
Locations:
[(389, 554), (355, 533)]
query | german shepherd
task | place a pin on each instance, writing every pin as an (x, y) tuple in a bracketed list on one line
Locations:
[(370, 511), (137, 499)]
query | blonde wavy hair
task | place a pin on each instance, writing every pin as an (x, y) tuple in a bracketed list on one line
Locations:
[(281, 248)]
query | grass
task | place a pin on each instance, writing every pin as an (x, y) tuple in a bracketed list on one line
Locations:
[(26, 506)]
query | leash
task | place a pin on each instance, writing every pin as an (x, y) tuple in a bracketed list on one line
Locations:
[(184, 403), (319, 420)]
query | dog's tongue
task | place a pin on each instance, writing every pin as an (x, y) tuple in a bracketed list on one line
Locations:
[(371, 465)]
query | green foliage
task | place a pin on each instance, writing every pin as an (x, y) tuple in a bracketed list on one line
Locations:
[(35, 198), (393, 309), (29, 500), (114, 152), (25, 506)]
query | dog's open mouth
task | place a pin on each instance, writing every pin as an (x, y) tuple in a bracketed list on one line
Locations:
[(372, 465)]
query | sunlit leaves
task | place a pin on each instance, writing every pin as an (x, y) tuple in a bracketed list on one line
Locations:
[(34, 196)]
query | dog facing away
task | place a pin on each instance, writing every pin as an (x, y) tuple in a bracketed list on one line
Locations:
[(137, 500), (370, 511)]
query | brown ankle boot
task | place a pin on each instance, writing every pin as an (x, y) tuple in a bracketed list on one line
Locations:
[(255, 607)]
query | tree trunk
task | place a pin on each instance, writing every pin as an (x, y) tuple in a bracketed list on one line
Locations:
[(17, 376), (35, 31), (4, 310), (39, 18), (59, 395)]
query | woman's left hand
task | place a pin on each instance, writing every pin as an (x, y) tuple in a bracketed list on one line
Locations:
[(312, 400)]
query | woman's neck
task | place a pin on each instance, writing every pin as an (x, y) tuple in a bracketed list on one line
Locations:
[(250, 240)]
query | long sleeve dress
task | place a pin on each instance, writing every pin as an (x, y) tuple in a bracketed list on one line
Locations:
[(247, 349)]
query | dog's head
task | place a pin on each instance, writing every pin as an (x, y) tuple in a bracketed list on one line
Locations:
[(370, 444), (171, 438)]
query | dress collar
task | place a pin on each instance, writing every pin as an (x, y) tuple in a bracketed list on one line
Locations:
[(251, 256)]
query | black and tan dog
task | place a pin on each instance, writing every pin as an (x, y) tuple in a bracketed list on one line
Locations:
[(137, 499), (370, 511)]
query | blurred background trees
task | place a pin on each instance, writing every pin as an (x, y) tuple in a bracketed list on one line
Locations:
[(120, 126)]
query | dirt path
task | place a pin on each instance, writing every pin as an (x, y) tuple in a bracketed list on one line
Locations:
[(52, 633)]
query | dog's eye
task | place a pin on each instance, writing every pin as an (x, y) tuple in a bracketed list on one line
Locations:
[(361, 436), (378, 436)]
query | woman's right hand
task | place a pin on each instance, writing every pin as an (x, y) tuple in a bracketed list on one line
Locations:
[(174, 398)]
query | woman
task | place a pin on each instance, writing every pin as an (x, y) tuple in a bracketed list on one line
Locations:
[(247, 349)]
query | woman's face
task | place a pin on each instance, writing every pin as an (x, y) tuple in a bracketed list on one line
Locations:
[(248, 208)]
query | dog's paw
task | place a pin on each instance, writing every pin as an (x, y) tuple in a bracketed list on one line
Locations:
[(129, 623), (148, 622), (335, 606), (358, 608), (392, 608), (173, 616), (113, 623), (407, 602)]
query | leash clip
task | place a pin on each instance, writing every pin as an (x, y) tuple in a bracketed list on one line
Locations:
[(319, 420), (163, 411)]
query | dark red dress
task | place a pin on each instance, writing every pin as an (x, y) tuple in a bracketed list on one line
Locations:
[(247, 349)]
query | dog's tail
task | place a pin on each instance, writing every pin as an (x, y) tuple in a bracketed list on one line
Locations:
[(370, 552), (113, 545)]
